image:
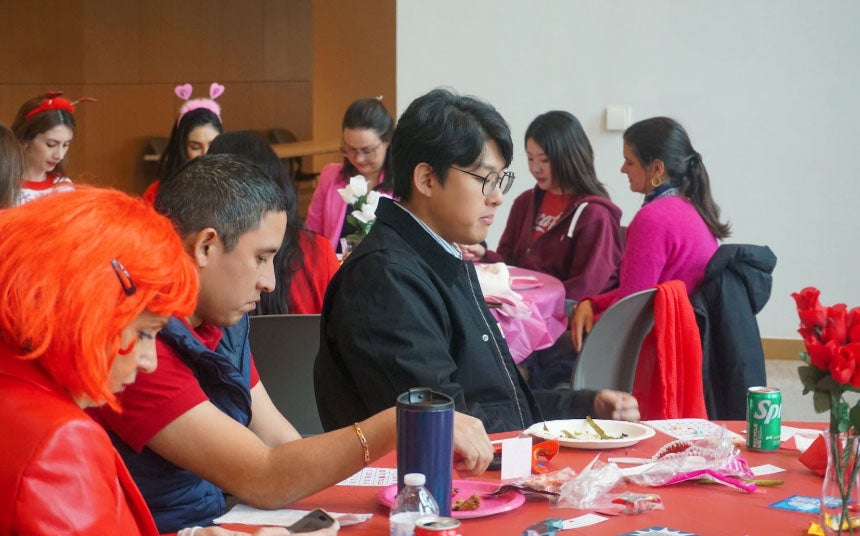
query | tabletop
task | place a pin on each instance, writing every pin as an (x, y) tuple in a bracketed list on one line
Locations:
[(547, 321), (689, 508)]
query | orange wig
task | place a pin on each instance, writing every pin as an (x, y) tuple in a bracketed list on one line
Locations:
[(61, 300)]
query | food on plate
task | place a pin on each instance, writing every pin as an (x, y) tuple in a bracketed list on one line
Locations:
[(598, 432), (462, 505)]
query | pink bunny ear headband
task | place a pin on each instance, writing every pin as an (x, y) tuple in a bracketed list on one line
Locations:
[(184, 92)]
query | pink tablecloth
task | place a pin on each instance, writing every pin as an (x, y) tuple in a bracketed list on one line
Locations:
[(547, 321)]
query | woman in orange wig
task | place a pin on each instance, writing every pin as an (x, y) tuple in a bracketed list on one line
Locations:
[(87, 278)]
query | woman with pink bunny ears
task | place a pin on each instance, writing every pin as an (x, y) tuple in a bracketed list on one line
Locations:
[(199, 122)]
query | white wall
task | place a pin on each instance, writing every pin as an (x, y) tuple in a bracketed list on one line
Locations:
[(766, 89)]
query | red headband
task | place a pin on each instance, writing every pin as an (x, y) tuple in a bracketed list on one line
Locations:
[(53, 101)]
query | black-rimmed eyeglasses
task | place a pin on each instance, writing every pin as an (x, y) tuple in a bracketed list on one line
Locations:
[(492, 180), (124, 279)]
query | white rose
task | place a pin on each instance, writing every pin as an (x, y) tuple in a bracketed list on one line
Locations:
[(364, 215), (371, 200), (347, 194), (358, 185)]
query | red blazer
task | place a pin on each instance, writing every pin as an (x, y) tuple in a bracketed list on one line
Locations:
[(60, 473)]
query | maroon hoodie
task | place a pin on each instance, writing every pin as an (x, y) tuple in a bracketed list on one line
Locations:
[(585, 258)]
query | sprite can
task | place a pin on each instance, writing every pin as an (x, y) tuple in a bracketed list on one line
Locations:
[(764, 418)]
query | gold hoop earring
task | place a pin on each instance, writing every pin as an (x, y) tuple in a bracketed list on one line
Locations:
[(656, 181)]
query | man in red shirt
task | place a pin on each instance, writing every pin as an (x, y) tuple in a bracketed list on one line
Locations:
[(203, 422)]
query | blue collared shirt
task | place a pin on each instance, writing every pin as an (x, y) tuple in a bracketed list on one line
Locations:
[(447, 246)]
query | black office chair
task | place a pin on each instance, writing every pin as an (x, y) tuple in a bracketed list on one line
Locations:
[(284, 348)]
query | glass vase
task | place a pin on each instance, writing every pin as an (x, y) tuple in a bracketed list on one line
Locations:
[(840, 492)]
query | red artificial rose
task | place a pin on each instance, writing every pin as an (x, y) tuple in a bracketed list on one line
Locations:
[(842, 366), (812, 314), (836, 325), (854, 325), (852, 352), (820, 354)]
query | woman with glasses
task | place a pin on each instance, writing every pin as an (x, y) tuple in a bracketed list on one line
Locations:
[(367, 130), (565, 226)]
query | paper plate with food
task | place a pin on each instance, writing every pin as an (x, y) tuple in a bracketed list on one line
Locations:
[(592, 433), (469, 498)]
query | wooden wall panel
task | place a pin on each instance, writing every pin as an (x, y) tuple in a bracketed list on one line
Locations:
[(131, 54), (354, 57), (288, 33), (111, 42), (180, 41), (30, 54), (242, 51)]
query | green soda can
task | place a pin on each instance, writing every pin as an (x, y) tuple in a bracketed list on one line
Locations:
[(764, 418)]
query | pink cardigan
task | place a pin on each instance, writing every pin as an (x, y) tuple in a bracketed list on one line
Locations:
[(328, 209), (666, 240)]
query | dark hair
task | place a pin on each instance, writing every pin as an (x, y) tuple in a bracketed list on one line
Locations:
[(367, 114), (571, 158), (27, 129), (443, 129), (225, 192), (174, 156), (290, 258), (662, 138), (12, 166)]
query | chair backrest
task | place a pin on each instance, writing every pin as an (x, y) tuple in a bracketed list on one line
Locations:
[(284, 348), (610, 352)]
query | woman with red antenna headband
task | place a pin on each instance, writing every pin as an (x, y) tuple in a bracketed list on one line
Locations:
[(45, 126), (199, 123)]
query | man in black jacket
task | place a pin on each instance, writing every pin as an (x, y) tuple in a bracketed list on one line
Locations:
[(406, 311)]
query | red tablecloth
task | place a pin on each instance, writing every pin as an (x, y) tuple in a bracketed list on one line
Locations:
[(707, 510), (547, 321)]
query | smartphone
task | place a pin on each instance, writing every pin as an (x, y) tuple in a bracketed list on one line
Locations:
[(318, 519)]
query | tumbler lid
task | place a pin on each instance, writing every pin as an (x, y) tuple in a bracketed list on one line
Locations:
[(414, 479), (425, 399)]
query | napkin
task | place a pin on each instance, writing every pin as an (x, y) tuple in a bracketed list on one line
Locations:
[(495, 285), (247, 515)]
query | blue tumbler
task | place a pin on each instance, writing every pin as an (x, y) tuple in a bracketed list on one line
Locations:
[(425, 441)]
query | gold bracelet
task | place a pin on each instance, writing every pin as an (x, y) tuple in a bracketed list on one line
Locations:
[(363, 440)]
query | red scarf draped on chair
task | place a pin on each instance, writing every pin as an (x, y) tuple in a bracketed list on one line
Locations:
[(668, 382)]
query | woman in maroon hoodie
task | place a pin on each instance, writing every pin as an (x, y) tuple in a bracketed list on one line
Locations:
[(565, 226)]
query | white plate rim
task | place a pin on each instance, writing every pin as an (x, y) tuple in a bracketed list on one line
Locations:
[(592, 444)]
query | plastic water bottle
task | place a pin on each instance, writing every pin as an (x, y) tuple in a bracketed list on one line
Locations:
[(413, 503)]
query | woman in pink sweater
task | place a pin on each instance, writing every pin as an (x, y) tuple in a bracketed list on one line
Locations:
[(675, 233), (367, 129)]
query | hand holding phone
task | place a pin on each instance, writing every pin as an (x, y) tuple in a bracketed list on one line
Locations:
[(315, 520)]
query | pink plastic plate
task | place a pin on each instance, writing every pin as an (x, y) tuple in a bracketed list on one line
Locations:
[(489, 505), (525, 282)]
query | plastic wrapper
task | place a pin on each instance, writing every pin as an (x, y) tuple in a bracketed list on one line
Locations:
[(590, 489), (632, 503), (550, 482), (713, 458)]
